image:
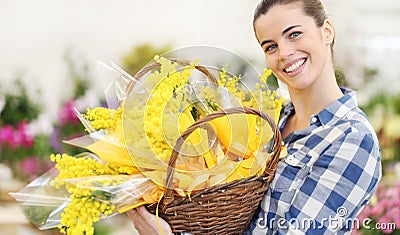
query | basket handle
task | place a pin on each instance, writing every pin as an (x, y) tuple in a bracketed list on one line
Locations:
[(153, 65), (270, 167)]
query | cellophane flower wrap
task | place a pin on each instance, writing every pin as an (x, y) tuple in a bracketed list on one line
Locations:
[(126, 152)]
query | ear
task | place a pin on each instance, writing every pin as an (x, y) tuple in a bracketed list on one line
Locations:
[(328, 31)]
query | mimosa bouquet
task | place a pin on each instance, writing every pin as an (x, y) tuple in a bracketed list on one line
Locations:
[(189, 140)]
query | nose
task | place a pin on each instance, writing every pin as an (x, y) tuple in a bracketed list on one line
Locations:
[(285, 50)]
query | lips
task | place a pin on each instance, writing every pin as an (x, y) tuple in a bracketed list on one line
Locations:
[(294, 65)]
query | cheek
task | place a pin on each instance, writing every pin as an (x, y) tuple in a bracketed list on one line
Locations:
[(272, 63)]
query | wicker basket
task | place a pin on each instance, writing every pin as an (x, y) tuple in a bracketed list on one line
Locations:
[(220, 209)]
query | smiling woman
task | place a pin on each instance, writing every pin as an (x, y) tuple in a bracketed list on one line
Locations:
[(296, 45), (333, 162)]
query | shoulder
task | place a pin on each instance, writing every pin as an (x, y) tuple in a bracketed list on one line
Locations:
[(354, 157), (355, 139), (355, 154), (350, 115), (358, 130)]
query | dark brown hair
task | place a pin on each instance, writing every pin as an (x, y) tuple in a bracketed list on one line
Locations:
[(312, 8)]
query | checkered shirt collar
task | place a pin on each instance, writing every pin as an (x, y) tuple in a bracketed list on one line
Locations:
[(333, 112)]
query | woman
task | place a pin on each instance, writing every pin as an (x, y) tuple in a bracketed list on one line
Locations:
[(333, 162)]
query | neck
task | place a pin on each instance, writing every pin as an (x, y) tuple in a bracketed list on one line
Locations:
[(317, 96)]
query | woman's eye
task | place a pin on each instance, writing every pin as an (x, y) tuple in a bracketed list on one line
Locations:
[(294, 35), (270, 48)]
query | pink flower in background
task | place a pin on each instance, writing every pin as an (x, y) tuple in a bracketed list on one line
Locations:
[(25, 139), (16, 138), (394, 213), (365, 213), (31, 166), (393, 192), (380, 192), (67, 114), (397, 220), (385, 220), (386, 211), (380, 207), (6, 135), (356, 232)]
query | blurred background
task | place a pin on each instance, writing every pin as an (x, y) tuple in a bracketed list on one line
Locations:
[(48, 66)]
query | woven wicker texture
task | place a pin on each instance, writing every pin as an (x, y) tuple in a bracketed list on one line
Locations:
[(221, 209)]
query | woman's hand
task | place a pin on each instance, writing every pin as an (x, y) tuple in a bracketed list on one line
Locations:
[(147, 223)]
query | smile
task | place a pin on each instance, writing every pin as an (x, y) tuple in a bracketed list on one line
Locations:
[(294, 67)]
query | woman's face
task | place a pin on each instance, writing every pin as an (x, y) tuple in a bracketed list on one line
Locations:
[(296, 50)]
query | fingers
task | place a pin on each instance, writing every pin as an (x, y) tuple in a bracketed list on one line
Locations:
[(145, 214), (131, 213), (146, 223), (155, 222), (136, 219)]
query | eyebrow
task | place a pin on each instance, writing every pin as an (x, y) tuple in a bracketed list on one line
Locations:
[(283, 33)]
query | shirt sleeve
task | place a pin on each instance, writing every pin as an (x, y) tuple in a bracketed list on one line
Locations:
[(339, 184)]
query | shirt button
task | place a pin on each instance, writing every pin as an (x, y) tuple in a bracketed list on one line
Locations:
[(313, 119)]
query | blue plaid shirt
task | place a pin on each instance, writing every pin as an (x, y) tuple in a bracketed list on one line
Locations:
[(330, 172)]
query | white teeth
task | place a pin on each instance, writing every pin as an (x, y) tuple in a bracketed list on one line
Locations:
[(295, 66)]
